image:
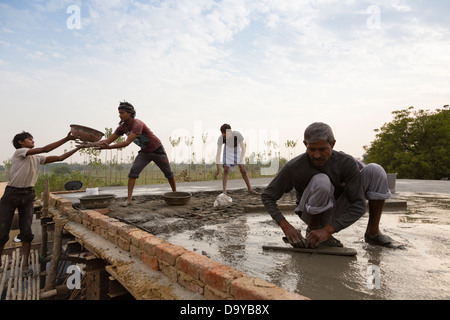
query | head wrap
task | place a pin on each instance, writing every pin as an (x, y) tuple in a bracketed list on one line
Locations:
[(128, 107)]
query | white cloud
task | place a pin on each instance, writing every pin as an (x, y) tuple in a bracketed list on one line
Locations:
[(255, 63)]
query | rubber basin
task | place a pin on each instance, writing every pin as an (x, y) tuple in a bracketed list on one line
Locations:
[(177, 198), (97, 201)]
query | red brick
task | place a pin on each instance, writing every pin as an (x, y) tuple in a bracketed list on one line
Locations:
[(123, 243), (195, 265), (169, 271), (112, 237), (103, 211), (137, 235), (213, 294), (86, 223), (250, 288), (104, 233), (90, 215), (97, 219), (190, 283), (150, 261), (221, 277), (149, 244), (125, 230), (135, 251), (114, 226), (105, 222), (169, 253)]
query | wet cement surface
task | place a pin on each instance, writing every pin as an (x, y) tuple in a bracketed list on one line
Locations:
[(421, 270)]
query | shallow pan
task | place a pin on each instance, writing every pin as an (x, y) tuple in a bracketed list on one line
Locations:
[(97, 201), (85, 134), (177, 198)]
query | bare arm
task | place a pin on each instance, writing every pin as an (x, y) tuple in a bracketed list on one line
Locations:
[(102, 144), (219, 150), (51, 146), (63, 157), (114, 137), (242, 144)]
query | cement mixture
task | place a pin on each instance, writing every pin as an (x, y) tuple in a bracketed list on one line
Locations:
[(421, 270)]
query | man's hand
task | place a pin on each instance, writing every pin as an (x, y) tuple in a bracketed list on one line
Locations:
[(70, 136), (97, 145), (217, 172), (317, 236), (293, 235)]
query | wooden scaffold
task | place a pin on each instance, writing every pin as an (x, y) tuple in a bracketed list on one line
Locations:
[(13, 285)]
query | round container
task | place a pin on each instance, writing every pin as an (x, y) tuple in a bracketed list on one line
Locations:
[(97, 201), (73, 185), (85, 134), (177, 198)]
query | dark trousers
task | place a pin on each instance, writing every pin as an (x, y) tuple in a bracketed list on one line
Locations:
[(23, 200)]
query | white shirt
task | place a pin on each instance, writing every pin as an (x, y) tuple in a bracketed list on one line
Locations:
[(24, 169)]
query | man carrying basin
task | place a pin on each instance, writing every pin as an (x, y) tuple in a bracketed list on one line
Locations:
[(19, 193), (331, 191), (151, 147)]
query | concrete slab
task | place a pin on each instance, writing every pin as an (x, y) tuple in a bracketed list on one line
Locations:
[(402, 185)]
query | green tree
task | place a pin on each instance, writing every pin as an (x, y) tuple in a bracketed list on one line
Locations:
[(415, 145)]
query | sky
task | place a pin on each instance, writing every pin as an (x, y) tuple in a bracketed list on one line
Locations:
[(269, 68)]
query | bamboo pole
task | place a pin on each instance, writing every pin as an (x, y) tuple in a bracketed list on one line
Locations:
[(19, 295), (5, 263), (29, 288), (15, 289), (44, 243), (33, 283), (36, 257), (56, 255), (46, 201), (8, 290)]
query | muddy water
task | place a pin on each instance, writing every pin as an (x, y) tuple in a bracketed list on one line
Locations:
[(421, 270)]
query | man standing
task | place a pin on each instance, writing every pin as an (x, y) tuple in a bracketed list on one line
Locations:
[(151, 147), (331, 192), (19, 193), (233, 154)]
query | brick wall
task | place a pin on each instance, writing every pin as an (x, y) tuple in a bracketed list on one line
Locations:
[(193, 271)]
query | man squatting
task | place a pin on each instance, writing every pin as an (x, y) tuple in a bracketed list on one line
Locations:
[(331, 190)]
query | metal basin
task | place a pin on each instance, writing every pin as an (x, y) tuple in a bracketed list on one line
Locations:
[(177, 198), (85, 134), (97, 201)]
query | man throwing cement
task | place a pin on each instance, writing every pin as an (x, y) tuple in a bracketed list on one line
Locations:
[(151, 147), (233, 155), (19, 193), (331, 192)]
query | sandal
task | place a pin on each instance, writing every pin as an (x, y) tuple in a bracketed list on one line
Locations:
[(332, 242), (379, 240), (126, 204)]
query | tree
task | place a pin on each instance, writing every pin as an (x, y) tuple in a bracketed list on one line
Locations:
[(415, 145), (291, 144)]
